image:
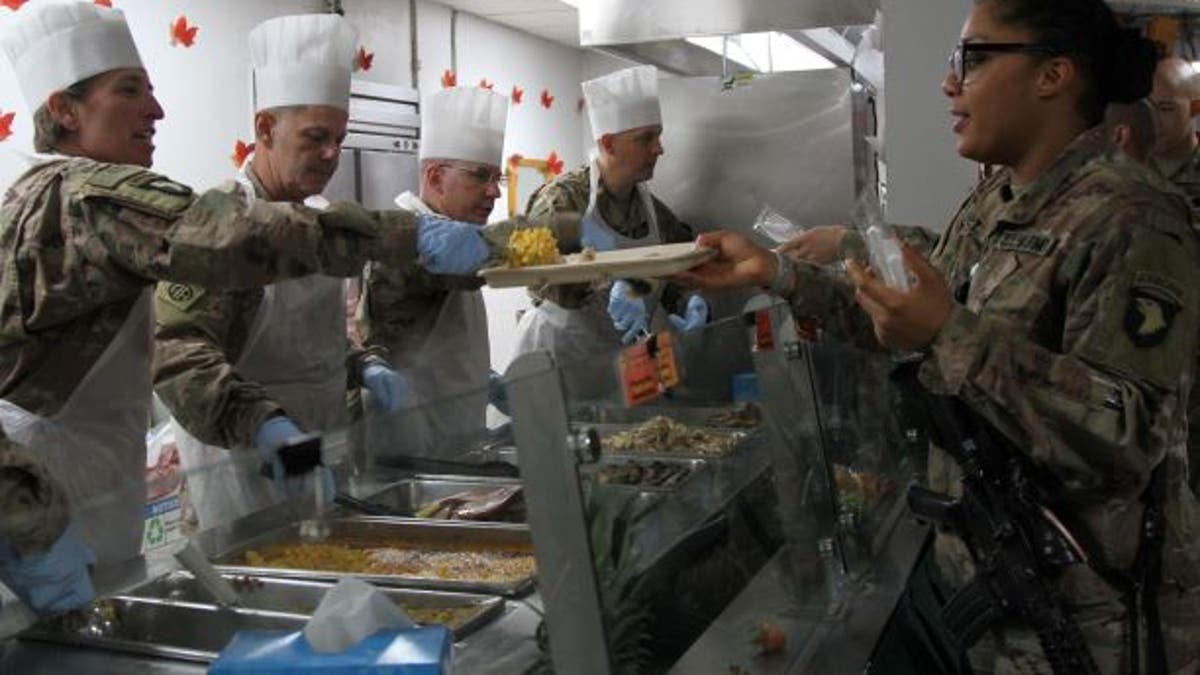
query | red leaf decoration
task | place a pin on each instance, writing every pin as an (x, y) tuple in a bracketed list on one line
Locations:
[(449, 79), (363, 59), (484, 84), (103, 3), (6, 121), (182, 33), (241, 150), (547, 99), (14, 5), (517, 94), (554, 164)]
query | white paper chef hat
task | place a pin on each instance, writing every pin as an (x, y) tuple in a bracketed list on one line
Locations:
[(304, 59), (465, 123), (626, 99), (52, 46)]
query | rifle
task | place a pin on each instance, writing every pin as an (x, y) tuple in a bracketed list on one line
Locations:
[(1017, 542), (1020, 545)]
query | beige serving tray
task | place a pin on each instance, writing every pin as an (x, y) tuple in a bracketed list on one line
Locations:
[(641, 263)]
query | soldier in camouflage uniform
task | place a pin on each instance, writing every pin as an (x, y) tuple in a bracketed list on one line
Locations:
[(85, 234), (1177, 158), (435, 328), (572, 321), (230, 364), (1060, 305)]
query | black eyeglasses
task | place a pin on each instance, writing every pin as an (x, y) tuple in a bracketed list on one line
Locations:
[(482, 175), (968, 55)]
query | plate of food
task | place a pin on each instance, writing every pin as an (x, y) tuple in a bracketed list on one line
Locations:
[(534, 260)]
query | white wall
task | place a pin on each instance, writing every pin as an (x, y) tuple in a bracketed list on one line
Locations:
[(926, 178), (205, 89)]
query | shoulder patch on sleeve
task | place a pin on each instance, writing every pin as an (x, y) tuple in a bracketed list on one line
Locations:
[(180, 296), (138, 189), (170, 187), (113, 175), (1149, 314)]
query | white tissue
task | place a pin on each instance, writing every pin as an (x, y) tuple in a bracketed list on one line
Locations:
[(351, 611)]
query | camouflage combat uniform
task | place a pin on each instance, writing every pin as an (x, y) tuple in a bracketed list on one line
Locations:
[(200, 335), (83, 239), (1187, 178), (919, 238), (569, 193), (400, 313), (399, 304), (1073, 334)]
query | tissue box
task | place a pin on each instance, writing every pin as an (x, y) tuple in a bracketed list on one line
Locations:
[(414, 651)]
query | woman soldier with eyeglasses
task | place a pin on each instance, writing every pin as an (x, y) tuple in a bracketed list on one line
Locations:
[(1060, 305)]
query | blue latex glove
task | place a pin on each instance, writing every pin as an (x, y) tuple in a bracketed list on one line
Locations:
[(628, 311), (694, 317), (449, 246), (595, 234), (389, 389), (54, 581), (270, 437), (497, 393)]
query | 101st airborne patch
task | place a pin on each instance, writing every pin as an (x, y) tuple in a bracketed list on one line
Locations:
[(1153, 305)]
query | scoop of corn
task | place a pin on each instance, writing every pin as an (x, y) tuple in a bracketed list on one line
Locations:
[(532, 246)]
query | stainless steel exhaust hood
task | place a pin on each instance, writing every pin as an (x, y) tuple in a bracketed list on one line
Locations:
[(604, 23)]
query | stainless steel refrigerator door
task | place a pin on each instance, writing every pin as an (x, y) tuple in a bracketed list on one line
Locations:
[(341, 187), (384, 175)]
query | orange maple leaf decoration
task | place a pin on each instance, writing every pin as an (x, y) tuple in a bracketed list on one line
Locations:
[(14, 5), (547, 99), (484, 84), (363, 59), (517, 94), (553, 164), (241, 150), (6, 121), (449, 79), (182, 33), (104, 3)]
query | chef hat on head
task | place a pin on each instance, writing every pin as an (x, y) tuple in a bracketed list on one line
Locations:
[(464, 123), (626, 99), (53, 46), (305, 59)]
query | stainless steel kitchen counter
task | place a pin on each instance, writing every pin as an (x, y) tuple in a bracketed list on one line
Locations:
[(504, 646), (818, 641)]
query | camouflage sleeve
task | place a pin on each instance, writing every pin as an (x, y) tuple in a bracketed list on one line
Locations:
[(826, 297), (392, 302), (551, 199), (921, 239), (33, 504), (158, 229), (359, 357), (1101, 408), (556, 197), (198, 338)]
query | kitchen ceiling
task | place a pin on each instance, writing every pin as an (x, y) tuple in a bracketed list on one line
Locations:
[(551, 19)]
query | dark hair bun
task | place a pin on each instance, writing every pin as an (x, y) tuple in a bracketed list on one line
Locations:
[(1130, 72)]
